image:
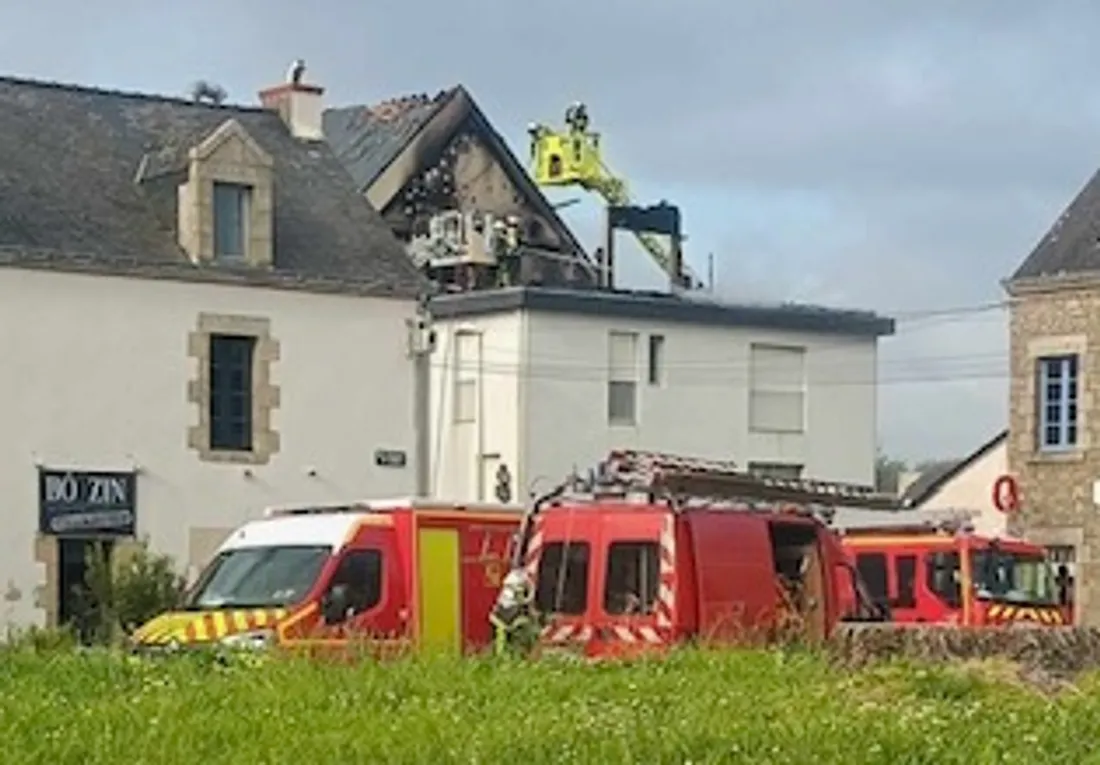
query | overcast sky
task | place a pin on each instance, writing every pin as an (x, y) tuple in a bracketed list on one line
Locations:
[(845, 152)]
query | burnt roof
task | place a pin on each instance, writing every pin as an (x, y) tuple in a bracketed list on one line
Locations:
[(367, 139), (1072, 244), (69, 159), (633, 304)]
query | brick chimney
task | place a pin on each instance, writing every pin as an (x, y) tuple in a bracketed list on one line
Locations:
[(298, 103)]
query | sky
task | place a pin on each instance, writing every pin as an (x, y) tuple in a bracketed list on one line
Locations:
[(898, 157)]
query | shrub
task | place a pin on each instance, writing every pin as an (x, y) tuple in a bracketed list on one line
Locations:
[(125, 591)]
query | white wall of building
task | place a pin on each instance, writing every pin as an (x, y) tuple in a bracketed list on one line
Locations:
[(551, 371), (95, 376), (971, 489)]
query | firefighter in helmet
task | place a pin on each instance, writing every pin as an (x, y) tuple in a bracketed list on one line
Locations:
[(511, 617)]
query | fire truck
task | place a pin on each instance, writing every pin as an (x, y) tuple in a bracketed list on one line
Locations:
[(940, 571), (379, 576), (652, 549)]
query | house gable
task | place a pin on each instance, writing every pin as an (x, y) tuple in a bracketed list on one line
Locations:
[(416, 157), (1069, 252)]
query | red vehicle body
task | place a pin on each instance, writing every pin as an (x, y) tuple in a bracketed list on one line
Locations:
[(386, 575), (617, 572), (929, 575), (613, 577)]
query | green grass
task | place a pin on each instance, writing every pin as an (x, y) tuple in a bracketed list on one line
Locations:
[(698, 707)]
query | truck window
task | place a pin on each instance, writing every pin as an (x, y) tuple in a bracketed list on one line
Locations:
[(945, 577), (872, 570), (905, 572), (562, 586), (630, 586), (361, 571)]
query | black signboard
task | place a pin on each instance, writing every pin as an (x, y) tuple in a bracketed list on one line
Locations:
[(389, 458), (76, 503)]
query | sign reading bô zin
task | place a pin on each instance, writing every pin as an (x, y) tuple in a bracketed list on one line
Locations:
[(74, 502)]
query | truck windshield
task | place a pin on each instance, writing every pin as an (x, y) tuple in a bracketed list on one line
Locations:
[(1014, 577), (258, 577)]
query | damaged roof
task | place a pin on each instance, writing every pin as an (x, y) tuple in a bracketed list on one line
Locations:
[(1071, 246), (368, 139), (88, 182)]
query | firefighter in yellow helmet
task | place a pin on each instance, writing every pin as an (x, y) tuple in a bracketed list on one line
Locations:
[(511, 617)]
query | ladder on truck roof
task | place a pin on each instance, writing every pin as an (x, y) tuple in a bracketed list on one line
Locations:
[(683, 479), (680, 480), (950, 522)]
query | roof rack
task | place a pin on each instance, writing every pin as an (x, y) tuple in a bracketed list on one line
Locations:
[(947, 522), (684, 478)]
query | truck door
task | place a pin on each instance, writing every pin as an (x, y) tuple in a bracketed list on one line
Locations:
[(625, 613), (363, 598)]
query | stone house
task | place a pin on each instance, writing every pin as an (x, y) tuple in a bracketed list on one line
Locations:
[(1054, 422)]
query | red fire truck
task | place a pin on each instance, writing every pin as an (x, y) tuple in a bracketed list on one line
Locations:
[(943, 572), (653, 549)]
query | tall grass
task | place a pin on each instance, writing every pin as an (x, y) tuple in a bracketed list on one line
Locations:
[(696, 706)]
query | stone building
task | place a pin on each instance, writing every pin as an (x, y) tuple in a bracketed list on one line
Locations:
[(1054, 422)]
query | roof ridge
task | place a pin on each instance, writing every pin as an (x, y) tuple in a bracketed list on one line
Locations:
[(127, 94)]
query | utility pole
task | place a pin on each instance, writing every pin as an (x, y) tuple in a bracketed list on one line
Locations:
[(421, 345)]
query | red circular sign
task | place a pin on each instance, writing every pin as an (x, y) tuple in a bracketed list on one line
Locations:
[(1006, 494)]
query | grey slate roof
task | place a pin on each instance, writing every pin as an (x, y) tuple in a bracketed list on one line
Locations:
[(633, 304), (1072, 245), (933, 476), (366, 139), (936, 475), (69, 196)]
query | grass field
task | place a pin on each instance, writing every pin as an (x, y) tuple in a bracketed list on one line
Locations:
[(695, 707)]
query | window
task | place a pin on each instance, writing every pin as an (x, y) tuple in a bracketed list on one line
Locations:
[(361, 572), (656, 359), (622, 381), (232, 203), (872, 570), (905, 572), (467, 367), (1057, 403), (776, 470), (777, 389), (231, 392), (632, 579), (563, 579), (945, 577), (258, 577)]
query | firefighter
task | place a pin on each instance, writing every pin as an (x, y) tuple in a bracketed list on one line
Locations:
[(511, 616)]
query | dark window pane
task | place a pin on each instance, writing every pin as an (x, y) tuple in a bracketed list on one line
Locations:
[(632, 578), (562, 585), (231, 392)]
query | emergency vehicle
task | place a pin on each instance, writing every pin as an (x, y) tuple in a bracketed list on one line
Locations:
[(654, 549), (941, 571), (385, 575)]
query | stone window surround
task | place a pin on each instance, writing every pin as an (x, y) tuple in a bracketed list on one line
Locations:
[(265, 395), (1055, 346), (251, 167), (1051, 536), (47, 553)]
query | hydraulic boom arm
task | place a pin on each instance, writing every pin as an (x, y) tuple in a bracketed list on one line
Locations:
[(573, 158)]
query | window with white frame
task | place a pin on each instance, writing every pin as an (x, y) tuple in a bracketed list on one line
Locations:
[(1057, 401), (622, 379), (777, 388), (656, 359), (467, 365)]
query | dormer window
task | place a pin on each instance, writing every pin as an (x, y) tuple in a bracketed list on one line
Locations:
[(232, 208), (226, 203)]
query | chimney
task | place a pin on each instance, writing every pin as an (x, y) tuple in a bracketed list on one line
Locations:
[(298, 103)]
